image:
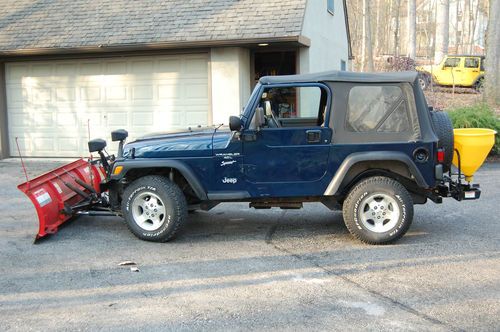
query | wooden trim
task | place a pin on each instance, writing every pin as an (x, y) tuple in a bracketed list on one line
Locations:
[(210, 114)]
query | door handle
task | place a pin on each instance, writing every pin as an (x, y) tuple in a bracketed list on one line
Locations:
[(313, 136)]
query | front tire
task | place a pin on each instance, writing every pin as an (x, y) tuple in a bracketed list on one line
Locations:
[(154, 208), (378, 210)]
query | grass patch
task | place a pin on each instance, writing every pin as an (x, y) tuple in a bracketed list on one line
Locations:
[(477, 116)]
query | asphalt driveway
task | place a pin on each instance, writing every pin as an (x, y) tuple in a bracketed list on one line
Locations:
[(237, 269)]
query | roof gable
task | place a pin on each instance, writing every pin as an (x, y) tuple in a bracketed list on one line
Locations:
[(59, 24)]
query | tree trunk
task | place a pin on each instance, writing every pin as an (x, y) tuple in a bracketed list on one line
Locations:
[(396, 30), (442, 30), (465, 26), (472, 37), (492, 79), (367, 39), (412, 29), (457, 37)]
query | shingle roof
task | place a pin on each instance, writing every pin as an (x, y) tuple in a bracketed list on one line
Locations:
[(35, 24)]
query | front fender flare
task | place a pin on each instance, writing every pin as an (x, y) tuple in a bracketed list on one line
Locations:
[(184, 169), (354, 158)]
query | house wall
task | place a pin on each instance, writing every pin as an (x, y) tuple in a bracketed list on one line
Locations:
[(328, 37), (230, 81), (4, 147)]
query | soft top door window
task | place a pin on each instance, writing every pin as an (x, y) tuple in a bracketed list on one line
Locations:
[(294, 106)]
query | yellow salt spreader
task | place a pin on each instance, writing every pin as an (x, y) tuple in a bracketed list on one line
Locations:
[(471, 146)]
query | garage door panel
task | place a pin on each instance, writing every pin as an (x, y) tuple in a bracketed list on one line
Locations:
[(43, 143), (115, 68), (50, 103), (142, 67), (24, 144), (142, 119), (168, 67), (68, 144), (193, 67), (41, 70), (142, 92), (91, 68), (116, 93), (90, 93), (64, 94), (17, 72)]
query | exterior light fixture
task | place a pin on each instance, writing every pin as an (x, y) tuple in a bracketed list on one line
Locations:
[(263, 44)]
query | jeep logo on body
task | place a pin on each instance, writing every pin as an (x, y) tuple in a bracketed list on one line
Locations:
[(229, 180)]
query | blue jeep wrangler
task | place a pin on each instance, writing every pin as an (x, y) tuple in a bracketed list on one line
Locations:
[(364, 143)]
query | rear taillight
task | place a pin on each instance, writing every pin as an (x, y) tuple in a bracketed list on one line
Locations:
[(440, 156)]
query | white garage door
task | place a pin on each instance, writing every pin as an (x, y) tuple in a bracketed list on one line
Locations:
[(50, 104)]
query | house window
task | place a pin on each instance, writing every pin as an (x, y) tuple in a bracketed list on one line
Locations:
[(330, 6), (342, 65)]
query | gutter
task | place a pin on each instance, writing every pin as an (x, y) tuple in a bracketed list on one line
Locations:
[(300, 40)]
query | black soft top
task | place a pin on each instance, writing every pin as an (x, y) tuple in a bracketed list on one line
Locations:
[(343, 76)]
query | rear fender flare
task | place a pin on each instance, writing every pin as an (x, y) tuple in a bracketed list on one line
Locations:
[(181, 167), (354, 158), (480, 77)]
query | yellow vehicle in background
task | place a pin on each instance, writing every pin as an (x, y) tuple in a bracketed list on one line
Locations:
[(457, 70)]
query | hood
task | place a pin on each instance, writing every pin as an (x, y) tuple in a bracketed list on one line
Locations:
[(180, 143), (427, 68)]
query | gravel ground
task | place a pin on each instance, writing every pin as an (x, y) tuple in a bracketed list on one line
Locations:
[(233, 268)]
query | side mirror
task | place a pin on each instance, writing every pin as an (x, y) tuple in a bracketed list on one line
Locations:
[(119, 135), (97, 145), (235, 123)]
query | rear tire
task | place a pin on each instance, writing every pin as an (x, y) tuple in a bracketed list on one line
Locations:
[(154, 208), (424, 81), (479, 85), (444, 130), (378, 210)]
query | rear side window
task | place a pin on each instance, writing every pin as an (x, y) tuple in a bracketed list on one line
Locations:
[(471, 62), (377, 109)]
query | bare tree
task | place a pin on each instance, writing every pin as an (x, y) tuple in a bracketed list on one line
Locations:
[(442, 30), (472, 29), (492, 79), (412, 29), (465, 26), (367, 39), (396, 30)]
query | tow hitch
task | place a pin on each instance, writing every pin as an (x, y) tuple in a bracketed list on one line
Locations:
[(472, 145)]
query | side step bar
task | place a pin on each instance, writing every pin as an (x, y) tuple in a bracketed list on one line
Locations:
[(281, 205)]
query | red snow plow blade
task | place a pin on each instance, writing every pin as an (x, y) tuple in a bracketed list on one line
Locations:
[(58, 194)]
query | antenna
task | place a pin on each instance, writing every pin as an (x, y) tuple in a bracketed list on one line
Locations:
[(90, 159), (22, 163)]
